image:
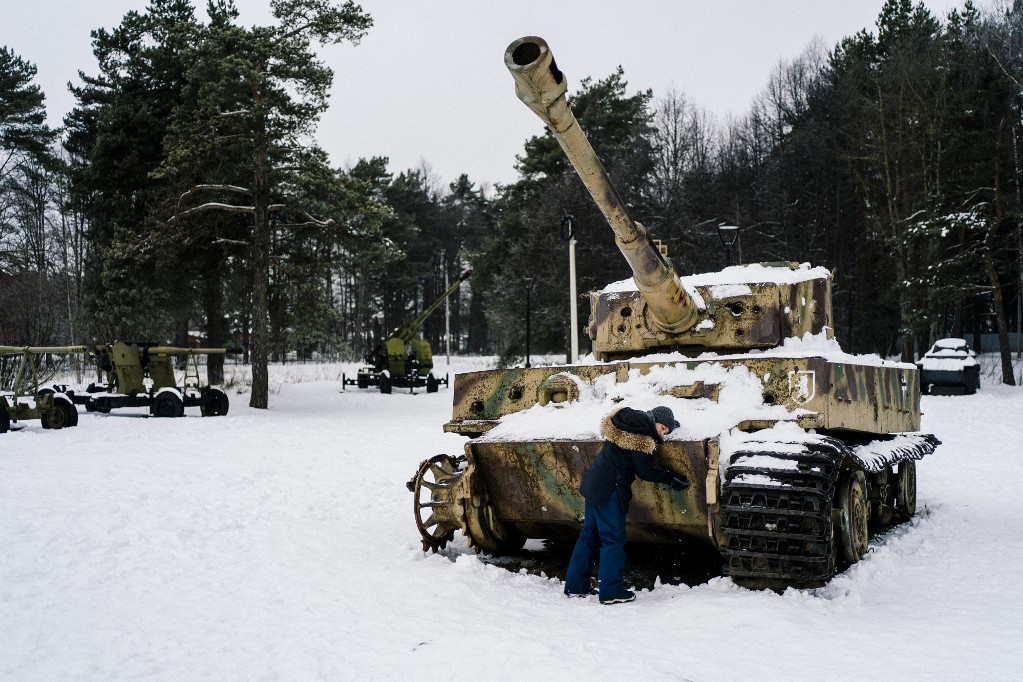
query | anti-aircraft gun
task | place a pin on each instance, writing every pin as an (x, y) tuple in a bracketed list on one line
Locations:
[(24, 399), (798, 451), (402, 359), (142, 374)]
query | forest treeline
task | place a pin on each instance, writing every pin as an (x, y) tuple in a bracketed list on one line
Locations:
[(185, 193)]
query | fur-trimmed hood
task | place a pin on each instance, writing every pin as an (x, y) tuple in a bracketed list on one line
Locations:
[(626, 440)]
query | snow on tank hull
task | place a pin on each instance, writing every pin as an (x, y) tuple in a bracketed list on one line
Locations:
[(534, 435)]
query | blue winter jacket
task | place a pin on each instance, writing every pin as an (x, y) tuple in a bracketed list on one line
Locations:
[(630, 439)]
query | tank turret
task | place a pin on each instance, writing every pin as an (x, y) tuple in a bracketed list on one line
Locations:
[(741, 308)]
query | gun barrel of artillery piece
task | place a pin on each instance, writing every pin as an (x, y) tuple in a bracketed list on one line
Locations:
[(541, 87), (18, 350), (407, 331), (177, 350)]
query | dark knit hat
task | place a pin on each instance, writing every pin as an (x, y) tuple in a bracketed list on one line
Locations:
[(664, 415)]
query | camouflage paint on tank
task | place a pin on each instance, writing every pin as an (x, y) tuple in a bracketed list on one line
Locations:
[(519, 486), (840, 395), (534, 488), (488, 395), (533, 485)]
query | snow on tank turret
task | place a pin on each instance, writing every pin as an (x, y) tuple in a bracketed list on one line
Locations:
[(799, 451)]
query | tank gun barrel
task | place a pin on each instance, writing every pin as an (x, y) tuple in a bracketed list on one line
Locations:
[(541, 87)]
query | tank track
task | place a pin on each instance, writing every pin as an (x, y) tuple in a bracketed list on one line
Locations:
[(776, 511), (776, 505)]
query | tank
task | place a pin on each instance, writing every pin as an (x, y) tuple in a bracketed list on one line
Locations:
[(797, 450)]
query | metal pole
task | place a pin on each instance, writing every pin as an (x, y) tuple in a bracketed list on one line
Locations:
[(447, 320), (728, 234), (529, 291), (572, 304), (567, 234)]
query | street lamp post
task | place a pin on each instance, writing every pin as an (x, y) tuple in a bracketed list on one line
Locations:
[(528, 281), (728, 234), (568, 235)]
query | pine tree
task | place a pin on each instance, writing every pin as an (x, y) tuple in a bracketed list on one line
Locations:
[(256, 94), (115, 137)]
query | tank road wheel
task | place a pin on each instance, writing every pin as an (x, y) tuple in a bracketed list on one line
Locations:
[(437, 502), (881, 510), (168, 404), (905, 490), (214, 404), (852, 503)]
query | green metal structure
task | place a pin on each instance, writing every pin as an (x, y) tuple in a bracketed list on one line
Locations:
[(798, 452), (403, 360), (24, 399), (142, 374)]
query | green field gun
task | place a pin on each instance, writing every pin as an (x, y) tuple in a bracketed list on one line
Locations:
[(403, 360), (142, 374), (24, 400)]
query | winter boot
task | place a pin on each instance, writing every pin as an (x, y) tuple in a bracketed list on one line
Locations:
[(626, 596)]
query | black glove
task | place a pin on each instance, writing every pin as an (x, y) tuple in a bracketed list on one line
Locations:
[(677, 481)]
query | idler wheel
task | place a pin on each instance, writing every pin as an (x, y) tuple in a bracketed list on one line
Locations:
[(854, 535), (436, 502)]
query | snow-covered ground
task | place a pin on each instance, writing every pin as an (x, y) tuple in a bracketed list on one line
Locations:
[(280, 544)]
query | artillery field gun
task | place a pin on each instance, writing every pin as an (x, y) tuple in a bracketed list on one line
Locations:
[(402, 360), (139, 374), (797, 450), (25, 400)]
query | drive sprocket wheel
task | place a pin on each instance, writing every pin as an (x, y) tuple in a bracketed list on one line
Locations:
[(437, 499)]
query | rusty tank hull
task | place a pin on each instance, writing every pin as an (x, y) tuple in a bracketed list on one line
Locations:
[(797, 450)]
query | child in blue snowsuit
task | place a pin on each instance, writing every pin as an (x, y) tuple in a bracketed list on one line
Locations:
[(630, 439)]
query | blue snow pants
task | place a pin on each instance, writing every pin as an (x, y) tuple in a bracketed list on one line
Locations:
[(603, 535)]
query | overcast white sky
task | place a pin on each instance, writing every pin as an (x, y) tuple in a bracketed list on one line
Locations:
[(428, 83)]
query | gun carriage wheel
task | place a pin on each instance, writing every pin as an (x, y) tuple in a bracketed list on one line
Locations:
[(168, 404)]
